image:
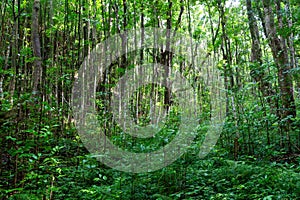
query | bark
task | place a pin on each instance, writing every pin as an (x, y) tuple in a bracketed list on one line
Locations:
[(280, 55), (167, 58), (36, 46), (291, 38), (257, 72), (2, 44)]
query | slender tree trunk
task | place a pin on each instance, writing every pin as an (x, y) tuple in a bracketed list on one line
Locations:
[(291, 38), (229, 84), (167, 58), (257, 72), (2, 44), (36, 46)]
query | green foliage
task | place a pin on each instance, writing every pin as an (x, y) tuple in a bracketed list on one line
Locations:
[(217, 179), (42, 156)]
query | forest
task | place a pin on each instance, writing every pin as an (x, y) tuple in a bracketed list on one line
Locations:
[(158, 100)]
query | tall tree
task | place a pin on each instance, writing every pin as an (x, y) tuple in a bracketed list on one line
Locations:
[(36, 45), (258, 73), (280, 54)]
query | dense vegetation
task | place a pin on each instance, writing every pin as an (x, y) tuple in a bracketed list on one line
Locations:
[(253, 44)]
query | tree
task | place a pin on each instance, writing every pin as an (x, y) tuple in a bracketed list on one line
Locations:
[(279, 50)]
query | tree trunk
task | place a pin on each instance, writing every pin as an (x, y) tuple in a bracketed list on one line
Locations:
[(257, 72), (280, 55), (36, 46)]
